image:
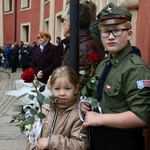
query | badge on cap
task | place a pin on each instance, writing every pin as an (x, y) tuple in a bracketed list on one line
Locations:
[(109, 9), (143, 83)]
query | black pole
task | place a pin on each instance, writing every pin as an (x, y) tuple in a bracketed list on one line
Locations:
[(15, 21), (74, 34)]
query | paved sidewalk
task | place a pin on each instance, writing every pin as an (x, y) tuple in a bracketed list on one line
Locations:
[(10, 136)]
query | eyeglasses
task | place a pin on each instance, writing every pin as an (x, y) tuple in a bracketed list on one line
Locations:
[(116, 32), (63, 19), (40, 37)]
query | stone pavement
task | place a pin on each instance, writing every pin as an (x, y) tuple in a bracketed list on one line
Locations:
[(10, 136)]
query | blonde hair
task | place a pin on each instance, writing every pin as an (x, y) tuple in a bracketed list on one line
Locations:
[(45, 33), (65, 71)]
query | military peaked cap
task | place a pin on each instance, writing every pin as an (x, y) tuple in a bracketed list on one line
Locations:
[(112, 14)]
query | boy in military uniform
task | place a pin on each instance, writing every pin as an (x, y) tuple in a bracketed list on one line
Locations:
[(123, 89)]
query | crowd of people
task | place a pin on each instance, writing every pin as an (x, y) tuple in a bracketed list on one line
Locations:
[(123, 89), (13, 56)]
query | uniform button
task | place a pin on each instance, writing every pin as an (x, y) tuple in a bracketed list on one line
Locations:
[(130, 56), (117, 61)]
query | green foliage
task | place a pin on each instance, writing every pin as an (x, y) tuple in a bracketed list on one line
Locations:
[(30, 120), (20, 119), (82, 72), (42, 88), (33, 112), (47, 101), (41, 115), (40, 99), (90, 88), (94, 103), (31, 97)]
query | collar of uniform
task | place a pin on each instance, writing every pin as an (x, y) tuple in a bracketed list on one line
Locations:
[(123, 53)]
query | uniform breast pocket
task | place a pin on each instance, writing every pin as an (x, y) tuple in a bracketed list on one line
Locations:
[(114, 97)]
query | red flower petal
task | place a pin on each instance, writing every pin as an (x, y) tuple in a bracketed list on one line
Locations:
[(93, 57), (28, 75)]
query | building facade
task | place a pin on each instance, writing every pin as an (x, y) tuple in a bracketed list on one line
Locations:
[(21, 20)]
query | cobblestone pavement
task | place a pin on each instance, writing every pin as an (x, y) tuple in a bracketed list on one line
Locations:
[(10, 136)]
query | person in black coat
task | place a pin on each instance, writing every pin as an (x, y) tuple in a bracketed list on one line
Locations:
[(45, 58), (87, 45), (14, 58), (25, 56)]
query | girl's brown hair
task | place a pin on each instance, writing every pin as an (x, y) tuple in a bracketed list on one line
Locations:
[(65, 71)]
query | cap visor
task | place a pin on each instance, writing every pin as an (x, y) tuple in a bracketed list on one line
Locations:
[(113, 21)]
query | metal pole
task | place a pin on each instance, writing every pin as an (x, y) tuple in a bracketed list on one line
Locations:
[(15, 21), (74, 34)]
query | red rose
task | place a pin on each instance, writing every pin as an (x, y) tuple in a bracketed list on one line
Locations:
[(93, 58), (28, 75)]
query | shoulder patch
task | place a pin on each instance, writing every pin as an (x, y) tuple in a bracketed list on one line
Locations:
[(143, 83)]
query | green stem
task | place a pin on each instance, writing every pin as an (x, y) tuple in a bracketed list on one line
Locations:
[(40, 106), (35, 88), (91, 70)]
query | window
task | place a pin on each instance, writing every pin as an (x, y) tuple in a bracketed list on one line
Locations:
[(25, 32), (46, 25), (58, 25), (46, 1), (8, 5), (25, 4)]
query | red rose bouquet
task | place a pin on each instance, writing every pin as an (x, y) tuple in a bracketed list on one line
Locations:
[(28, 76), (90, 87), (32, 111), (89, 92)]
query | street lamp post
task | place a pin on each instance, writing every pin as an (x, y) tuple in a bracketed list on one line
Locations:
[(74, 34)]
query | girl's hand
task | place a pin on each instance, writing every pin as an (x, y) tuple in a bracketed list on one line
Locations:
[(42, 144)]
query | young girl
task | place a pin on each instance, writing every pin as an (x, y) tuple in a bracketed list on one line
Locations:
[(62, 128)]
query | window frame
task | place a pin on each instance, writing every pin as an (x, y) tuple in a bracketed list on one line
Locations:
[(8, 6), (24, 6)]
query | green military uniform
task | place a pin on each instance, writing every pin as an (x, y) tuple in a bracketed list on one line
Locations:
[(121, 90), (126, 88)]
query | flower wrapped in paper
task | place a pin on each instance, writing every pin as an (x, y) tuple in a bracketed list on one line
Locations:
[(89, 92), (33, 94)]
